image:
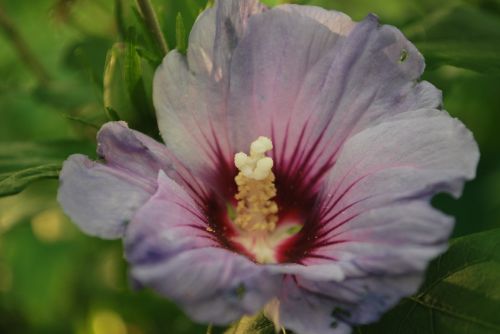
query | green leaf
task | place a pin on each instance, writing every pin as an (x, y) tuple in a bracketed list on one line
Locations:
[(13, 183), (462, 36), (82, 121), (146, 37), (126, 96), (258, 324), (112, 114), (461, 294), (272, 3), (132, 67), (24, 163), (87, 56), (115, 94), (210, 4), (180, 34), (135, 75)]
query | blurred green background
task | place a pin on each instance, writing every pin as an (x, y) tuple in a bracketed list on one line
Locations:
[(67, 66)]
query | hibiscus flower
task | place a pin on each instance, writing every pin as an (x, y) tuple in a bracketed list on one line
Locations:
[(300, 156)]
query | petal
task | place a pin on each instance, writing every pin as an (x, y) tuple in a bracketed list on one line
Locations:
[(231, 22), (191, 117), (316, 272), (375, 202), (304, 312), (394, 239), (171, 250), (101, 197), (318, 307), (216, 33), (190, 94), (375, 223), (415, 154), (129, 150), (339, 23), (310, 86), (383, 258), (272, 64)]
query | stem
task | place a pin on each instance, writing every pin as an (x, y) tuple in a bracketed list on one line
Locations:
[(120, 22), (151, 21), (209, 329), (22, 48)]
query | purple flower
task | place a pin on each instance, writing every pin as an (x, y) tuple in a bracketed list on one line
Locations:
[(301, 153)]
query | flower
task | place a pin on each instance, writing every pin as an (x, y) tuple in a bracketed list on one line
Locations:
[(301, 153)]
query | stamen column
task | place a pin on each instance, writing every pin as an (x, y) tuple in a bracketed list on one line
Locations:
[(256, 210)]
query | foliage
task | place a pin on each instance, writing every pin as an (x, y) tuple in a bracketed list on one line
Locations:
[(23, 163)]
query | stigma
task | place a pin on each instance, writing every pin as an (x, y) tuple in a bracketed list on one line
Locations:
[(256, 210)]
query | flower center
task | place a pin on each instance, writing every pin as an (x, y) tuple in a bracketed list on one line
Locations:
[(261, 229), (256, 210)]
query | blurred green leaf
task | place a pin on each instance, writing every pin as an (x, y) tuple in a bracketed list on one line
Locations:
[(125, 95), (13, 183), (24, 163), (114, 90), (258, 324), (112, 114), (82, 121), (135, 75), (463, 36), (146, 40), (167, 14), (461, 294), (132, 68), (180, 33), (272, 3), (19, 155), (88, 56), (65, 96)]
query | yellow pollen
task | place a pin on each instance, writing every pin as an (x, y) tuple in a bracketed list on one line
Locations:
[(256, 211)]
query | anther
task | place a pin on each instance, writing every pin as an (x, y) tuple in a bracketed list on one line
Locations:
[(256, 210)]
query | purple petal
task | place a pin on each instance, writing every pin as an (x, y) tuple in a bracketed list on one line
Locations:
[(102, 197), (272, 64), (318, 307), (172, 250), (304, 312), (375, 223), (339, 23), (190, 95), (394, 239), (311, 85), (316, 272), (415, 154), (99, 199), (231, 21), (134, 152)]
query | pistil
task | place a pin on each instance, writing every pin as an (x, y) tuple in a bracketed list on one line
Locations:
[(256, 210)]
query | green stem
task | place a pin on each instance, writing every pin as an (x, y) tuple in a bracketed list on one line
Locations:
[(151, 21), (120, 22), (209, 329), (22, 48)]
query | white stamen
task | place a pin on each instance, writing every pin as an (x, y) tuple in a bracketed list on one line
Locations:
[(263, 168), (261, 146), (256, 166)]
